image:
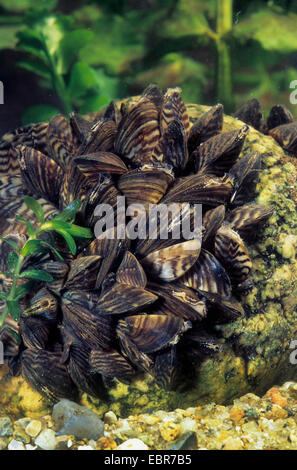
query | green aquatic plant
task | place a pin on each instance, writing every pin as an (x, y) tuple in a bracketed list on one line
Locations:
[(63, 225)]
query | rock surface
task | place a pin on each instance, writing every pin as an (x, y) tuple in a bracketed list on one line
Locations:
[(73, 419)]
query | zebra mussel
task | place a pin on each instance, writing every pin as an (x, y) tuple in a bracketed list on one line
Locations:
[(126, 306)]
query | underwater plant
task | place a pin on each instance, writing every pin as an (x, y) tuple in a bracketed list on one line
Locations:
[(123, 306)]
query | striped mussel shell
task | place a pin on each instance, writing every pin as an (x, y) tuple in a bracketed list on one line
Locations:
[(125, 305)]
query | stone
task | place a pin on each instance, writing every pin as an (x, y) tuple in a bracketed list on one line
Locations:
[(233, 444), (73, 419), (47, 440), (259, 355), (133, 444), (33, 428), (6, 428), (110, 418), (16, 445)]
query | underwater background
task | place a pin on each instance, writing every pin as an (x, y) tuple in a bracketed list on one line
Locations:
[(58, 56)]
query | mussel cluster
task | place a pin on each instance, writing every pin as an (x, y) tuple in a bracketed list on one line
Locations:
[(123, 306), (279, 124)]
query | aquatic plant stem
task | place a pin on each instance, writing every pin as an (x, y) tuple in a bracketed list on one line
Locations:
[(58, 82), (223, 66)]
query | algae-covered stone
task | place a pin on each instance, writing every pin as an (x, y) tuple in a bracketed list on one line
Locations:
[(255, 348)]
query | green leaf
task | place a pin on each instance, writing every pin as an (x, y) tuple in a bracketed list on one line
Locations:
[(69, 213), (69, 240), (70, 45), (37, 274), (35, 66), (24, 289), (274, 31), (30, 38), (32, 246), (11, 243), (38, 113), (3, 296), (12, 261), (81, 232), (35, 207), (58, 224), (30, 227), (51, 248), (82, 79), (13, 308)]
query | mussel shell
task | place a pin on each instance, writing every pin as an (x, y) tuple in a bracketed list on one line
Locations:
[(210, 124), (245, 173), (60, 142), (173, 108), (35, 331), (83, 273), (232, 253), (167, 370), (44, 371), (138, 132), (92, 164), (278, 116), (212, 221), (219, 153), (130, 350), (110, 363), (178, 300), (80, 370), (173, 261), (245, 219), (208, 275), (250, 113), (200, 189), (145, 185), (152, 332), (44, 305), (81, 309), (33, 135), (130, 272), (100, 137), (40, 174), (286, 136), (172, 147), (121, 298)]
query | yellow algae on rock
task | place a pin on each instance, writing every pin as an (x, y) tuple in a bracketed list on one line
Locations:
[(170, 431)]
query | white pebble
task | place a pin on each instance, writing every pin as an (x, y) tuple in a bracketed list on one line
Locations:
[(47, 440), (85, 448), (16, 445), (133, 444)]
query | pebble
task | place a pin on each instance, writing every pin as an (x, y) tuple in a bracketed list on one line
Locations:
[(73, 419), (85, 448), (232, 444), (110, 418), (16, 445), (6, 428), (133, 444), (47, 440), (33, 428)]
